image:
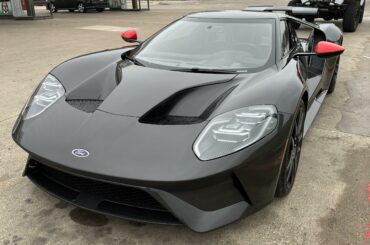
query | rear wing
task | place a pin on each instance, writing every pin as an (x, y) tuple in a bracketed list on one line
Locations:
[(295, 11)]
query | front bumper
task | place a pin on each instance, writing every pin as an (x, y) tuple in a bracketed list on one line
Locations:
[(136, 203), (202, 195)]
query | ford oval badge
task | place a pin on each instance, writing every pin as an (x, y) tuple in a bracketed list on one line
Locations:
[(80, 153)]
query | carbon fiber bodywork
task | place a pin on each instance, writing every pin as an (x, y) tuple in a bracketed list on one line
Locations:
[(141, 165)]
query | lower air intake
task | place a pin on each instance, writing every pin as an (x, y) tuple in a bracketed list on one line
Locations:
[(108, 198)]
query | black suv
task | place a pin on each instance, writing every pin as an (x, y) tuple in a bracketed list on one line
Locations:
[(81, 5)]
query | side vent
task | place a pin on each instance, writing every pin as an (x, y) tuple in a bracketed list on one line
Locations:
[(238, 185)]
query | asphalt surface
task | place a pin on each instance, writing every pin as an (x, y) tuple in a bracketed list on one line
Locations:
[(328, 205)]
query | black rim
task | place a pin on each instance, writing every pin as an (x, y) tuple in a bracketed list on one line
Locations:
[(295, 147), (81, 7)]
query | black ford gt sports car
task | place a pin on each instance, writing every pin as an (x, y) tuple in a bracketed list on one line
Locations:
[(201, 124)]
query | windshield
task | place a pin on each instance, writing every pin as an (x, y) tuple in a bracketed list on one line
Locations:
[(195, 43)]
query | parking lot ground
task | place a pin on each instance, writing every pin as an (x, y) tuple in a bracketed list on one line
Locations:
[(328, 205)]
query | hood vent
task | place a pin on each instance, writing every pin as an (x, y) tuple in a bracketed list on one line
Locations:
[(86, 105), (189, 106)]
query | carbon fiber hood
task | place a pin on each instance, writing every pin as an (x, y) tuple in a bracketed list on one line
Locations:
[(105, 82)]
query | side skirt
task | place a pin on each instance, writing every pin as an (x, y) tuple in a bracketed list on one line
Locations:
[(314, 109)]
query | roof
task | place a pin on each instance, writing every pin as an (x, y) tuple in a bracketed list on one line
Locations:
[(234, 14)]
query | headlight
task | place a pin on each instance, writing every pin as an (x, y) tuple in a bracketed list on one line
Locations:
[(235, 130), (49, 91)]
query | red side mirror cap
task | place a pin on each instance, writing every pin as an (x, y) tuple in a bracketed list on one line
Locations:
[(327, 49), (129, 36)]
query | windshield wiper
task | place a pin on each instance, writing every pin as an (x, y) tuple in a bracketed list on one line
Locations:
[(202, 70)]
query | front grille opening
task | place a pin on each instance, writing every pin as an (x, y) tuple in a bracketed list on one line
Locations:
[(116, 193), (86, 105), (113, 199)]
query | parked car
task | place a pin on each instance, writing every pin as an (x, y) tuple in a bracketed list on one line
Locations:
[(201, 124), (351, 11), (79, 5)]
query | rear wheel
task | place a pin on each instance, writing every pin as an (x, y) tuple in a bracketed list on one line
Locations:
[(71, 10), (290, 165), (351, 17), (100, 9), (333, 81), (81, 7)]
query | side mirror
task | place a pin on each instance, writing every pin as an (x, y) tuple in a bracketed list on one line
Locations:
[(324, 49), (327, 49), (129, 36)]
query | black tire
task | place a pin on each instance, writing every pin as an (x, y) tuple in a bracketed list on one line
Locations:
[(291, 159), (81, 7), (71, 10), (295, 3), (100, 9), (333, 81), (351, 17), (362, 13)]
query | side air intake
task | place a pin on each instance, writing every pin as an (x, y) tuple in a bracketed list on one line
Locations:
[(189, 106)]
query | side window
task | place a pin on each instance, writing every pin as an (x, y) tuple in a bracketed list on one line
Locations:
[(285, 38)]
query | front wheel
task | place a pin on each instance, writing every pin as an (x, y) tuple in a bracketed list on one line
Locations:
[(351, 17), (81, 7), (53, 8), (293, 152)]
